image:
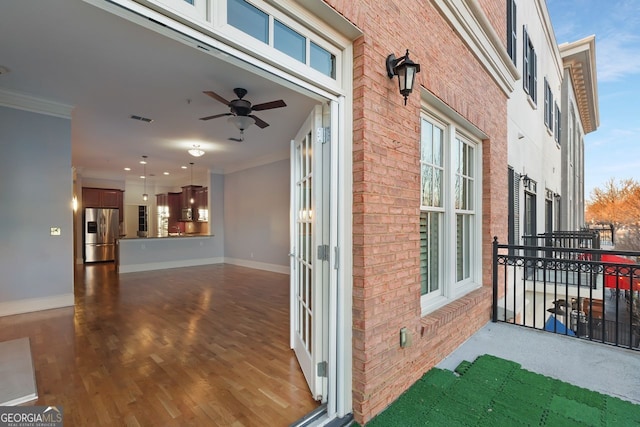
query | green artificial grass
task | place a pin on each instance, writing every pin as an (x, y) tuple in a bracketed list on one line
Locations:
[(494, 392)]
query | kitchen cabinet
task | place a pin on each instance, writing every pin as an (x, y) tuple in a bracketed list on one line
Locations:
[(189, 201), (103, 198), (174, 201), (202, 204), (189, 195)]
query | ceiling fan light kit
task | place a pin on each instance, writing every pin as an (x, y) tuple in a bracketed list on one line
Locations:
[(241, 122), (241, 109)]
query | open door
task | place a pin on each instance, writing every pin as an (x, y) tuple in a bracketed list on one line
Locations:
[(310, 252)]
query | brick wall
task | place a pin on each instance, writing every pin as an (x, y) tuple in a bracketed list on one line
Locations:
[(386, 187)]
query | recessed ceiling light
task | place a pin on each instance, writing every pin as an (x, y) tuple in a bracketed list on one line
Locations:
[(143, 162), (127, 169), (183, 167), (142, 177), (165, 173)]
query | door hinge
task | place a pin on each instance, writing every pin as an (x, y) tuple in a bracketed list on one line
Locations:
[(336, 254), (323, 252), (323, 135), (322, 369)]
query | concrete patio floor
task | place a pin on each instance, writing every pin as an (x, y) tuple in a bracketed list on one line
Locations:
[(598, 367)]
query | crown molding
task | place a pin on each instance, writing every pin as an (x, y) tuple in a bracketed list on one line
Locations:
[(33, 104)]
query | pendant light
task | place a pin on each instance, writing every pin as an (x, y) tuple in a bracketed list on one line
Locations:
[(191, 199), (145, 196)]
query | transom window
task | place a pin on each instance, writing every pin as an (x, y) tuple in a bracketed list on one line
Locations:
[(449, 241), (264, 27)]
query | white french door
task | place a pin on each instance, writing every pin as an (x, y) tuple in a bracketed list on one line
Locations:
[(309, 252)]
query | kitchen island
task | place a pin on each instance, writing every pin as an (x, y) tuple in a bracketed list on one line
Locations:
[(157, 253)]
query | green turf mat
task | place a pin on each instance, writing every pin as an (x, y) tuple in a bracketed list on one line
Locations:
[(494, 392)]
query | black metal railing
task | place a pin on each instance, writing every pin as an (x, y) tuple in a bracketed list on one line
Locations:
[(607, 236), (573, 288)]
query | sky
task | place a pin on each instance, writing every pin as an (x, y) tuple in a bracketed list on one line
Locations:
[(613, 150)]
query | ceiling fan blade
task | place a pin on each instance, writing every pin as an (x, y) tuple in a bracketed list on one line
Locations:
[(259, 122), (216, 97), (215, 116), (269, 105)]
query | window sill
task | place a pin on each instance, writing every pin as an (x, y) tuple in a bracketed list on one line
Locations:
[(532, 102), (463, 309), (549, 131)]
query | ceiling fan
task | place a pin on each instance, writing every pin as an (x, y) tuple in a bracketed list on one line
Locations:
[(242, 108)]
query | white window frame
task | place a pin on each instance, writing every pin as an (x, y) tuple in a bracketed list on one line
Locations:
[(210, 17), (529, 67), (557, 117), (454, 126), (548, 106), (269, 51), (512, 35)]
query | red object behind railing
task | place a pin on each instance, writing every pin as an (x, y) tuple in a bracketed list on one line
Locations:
[(622, 280)]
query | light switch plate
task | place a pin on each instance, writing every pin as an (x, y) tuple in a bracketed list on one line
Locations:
[(55, 231)]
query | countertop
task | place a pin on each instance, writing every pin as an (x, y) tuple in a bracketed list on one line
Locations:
[(181, 236)]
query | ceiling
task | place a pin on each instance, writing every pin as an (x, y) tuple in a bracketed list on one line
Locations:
[(108, 69)]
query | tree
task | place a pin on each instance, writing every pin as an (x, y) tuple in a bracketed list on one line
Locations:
[(618, 204)]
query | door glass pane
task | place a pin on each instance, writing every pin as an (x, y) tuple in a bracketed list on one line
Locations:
[(290, 42), (248, 19), (322, 60)]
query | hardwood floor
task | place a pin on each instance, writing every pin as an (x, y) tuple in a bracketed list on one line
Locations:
[(201, 346)]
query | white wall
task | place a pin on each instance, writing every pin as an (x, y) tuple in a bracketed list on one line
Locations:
[(532, 149), (36, 189), (256, 216)]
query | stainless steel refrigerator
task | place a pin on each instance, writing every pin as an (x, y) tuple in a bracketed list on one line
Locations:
[(101, 229)]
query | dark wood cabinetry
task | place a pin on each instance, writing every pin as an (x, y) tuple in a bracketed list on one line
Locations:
[(103, 198), (189, 195), (174, 201), (202, 204)]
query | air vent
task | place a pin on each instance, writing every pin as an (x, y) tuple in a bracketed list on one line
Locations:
[(142, 119)]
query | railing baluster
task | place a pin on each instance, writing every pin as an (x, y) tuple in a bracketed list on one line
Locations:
[(567, 272)]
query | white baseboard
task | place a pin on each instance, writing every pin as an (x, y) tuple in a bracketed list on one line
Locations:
[(29, 305), (132, 268), (275, 268)]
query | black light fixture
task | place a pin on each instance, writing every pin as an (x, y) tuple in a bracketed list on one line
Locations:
[(406, 71)]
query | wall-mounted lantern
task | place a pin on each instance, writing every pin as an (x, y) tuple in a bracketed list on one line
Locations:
[(406, 71)]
